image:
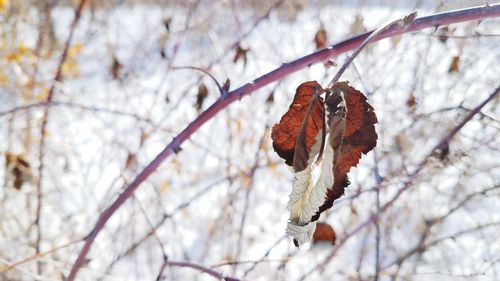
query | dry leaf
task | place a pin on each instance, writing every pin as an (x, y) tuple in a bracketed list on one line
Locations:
[(455, 61), (324, 233), (330, 63), (357, 25), (18, 169), (411, 101), (131, 160), (350, 133), (241, 54), (200, 97), (164, 186), (444, 33), (166, 23), (320, 39), (284, 134), (116, 68)]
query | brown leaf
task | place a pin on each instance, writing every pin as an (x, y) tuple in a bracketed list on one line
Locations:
[(352, 133), (166, 23), (131, 160), (285, 133), (200, 97), (270, 98), (411, 101), (357, 25), (330, 63), (455, 61), (324, 233), (116, 68), (144, 136), (320, 39), (241, 54), (17, 168), (444, 33)]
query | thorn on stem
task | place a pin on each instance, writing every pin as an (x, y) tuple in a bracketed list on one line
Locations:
[(176, 149)]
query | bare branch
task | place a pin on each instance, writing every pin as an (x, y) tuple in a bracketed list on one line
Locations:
[(209, 271)]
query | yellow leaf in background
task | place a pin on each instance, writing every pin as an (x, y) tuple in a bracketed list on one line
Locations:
[(3, 78), (238, 126), (164, 186), (44, 93), (74, 50), (18, 54), (71, 68), (13, 57), (3, 5), (22, 50), (177, 165)]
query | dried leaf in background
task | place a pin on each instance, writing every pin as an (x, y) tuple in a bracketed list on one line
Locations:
[(241, 54), (320, 39), (455, 62), (17, 168), (324, 233), (284, 134), (200, 97)]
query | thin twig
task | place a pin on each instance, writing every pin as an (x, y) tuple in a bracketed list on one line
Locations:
[(402, 23), (6, 268), (430, 223), (204, 71), (209, 271), (266, 254), (469, 14), (75, 105), (43, 128)]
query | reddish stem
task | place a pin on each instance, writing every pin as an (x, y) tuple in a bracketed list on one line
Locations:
[(446, 18)]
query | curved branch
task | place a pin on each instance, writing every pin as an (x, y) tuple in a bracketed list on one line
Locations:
[(209, 271), (470, 14)]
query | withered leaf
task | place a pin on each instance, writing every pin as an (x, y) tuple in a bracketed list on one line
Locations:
[(18, 169), (357, 25), (324, 233), (285, 133), (200, 97), (455, 62), (241, 54), (444, 33), (351, 133), (166, 23), (330, 63), (320, 39), (131, 160), (270, 98), (116, 68), (299, 138), (411, 101)]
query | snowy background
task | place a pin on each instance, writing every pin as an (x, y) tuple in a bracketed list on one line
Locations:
[(221, 201)]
